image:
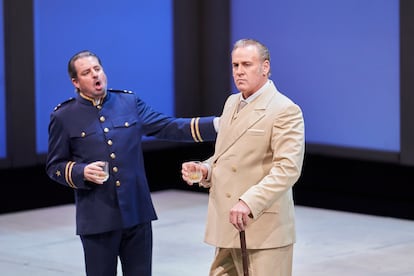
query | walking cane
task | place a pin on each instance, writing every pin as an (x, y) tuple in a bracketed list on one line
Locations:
[(244, 253)]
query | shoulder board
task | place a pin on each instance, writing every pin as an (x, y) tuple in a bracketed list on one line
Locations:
[(63, 103), (120, 91)]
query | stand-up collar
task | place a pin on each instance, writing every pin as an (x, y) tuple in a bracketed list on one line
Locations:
[(88, 100)]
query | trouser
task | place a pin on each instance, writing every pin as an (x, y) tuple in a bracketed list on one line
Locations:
[(262, 262), (132, 245)]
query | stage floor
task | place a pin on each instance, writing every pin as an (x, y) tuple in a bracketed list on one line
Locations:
[(42, 242)]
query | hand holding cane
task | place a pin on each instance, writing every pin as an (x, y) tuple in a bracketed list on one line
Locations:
[(244, 253)]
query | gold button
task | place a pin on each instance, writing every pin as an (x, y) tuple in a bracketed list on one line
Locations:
[(83, 134), (99, 106), (118, 183), (112, 155), (115, 169), (106, 129), (109, 142), (102, 119), (126, 124)]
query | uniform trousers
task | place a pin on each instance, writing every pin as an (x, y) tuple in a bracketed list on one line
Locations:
[(262, 262), (132, 245)]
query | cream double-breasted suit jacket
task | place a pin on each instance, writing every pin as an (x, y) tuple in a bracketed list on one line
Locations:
[(258, 158)]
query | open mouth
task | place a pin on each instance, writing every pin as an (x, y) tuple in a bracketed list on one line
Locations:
[(98, 85)]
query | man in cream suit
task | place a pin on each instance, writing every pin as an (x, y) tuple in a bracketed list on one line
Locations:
[(258, 158)]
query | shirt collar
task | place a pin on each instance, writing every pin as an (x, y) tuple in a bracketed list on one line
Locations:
[(256, 94)]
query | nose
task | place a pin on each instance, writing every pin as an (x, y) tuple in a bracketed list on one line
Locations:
[(238, 70)]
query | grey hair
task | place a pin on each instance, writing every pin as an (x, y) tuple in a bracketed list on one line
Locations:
[(262, 49)]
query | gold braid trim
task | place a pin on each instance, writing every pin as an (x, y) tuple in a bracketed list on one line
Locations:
[(193, 131), (68, 174), (197, 127)]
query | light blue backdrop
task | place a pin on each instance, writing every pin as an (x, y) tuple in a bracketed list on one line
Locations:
[(339, 60), (133, 39)]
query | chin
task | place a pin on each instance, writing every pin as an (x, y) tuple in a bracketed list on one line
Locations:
[(243, 89)]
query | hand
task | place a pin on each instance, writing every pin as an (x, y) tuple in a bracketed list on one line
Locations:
[(93, 172), (186, 167), (239, 215)]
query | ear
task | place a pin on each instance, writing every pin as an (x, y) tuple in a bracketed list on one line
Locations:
[(75, 83), (266, 67)]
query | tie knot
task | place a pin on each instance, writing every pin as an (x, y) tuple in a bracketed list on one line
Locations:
[(241, 105)]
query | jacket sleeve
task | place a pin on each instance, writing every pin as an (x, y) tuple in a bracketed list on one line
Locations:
[(161, 126), (59, 166)]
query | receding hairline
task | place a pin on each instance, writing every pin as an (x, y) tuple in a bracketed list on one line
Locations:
[(262, 50), (79, 55)]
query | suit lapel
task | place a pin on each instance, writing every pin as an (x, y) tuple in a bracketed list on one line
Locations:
[(234, 126)]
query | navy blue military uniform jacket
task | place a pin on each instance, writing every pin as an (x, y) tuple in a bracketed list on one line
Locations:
[(81, 132)]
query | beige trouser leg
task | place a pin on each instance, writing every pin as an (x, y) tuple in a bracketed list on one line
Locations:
[(263, 262)]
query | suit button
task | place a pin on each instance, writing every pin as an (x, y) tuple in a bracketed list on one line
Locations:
[(102, 119), (112, 155), (118, 183), (228, 195), (110, 142), (115, 169), (106, 130)]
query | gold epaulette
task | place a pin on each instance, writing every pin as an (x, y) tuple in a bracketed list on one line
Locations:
[(63, 103), (120, 91)]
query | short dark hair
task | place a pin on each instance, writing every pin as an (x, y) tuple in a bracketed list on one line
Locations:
[(84, 53)]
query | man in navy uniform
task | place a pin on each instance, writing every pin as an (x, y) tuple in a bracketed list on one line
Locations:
[(113, 216)]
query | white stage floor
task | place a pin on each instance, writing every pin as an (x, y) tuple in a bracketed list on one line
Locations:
[(42, 242)]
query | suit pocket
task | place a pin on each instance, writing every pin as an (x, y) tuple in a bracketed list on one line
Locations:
[(255, 132), (124, 122)]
